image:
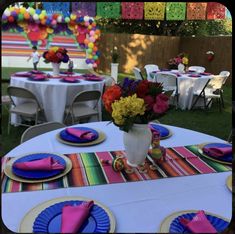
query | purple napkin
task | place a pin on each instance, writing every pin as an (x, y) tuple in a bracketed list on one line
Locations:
[(69, 79), (26, 74), (194, 75), (217, 151), (45, 164), (199, 223), (74, 216), (39, 77), (81, 134), (205, 73)]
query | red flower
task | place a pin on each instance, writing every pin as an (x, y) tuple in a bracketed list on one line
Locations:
[(161, 104), (149, 101), (142, 88), (111, 94)]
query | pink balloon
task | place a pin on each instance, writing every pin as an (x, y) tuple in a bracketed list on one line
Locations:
[(92, 39), (94, 65), (92, 33), (87, 24)]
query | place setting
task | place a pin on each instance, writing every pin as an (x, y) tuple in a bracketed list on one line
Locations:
[(164, 131), (69, 79), (37, 167), (92, 77), (193, 221), (73, 214), (218, 152), (80, 136), (38, 77)]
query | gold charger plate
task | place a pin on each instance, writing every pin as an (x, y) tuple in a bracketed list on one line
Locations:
[(200, 147), (229, 182), (26, 225), (165, 225), (100, 139), (158, 123), (10, 174)]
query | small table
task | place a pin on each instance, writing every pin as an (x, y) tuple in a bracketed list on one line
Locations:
[(186, 86), (54, 95)]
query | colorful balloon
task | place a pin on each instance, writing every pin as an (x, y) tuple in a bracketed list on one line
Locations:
[(86, 18), (35, 17), (67, 19), (90, 45), (7, 12)]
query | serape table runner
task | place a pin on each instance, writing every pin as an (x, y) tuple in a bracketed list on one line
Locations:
[(89, 169)]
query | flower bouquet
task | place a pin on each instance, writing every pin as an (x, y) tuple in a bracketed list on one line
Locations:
[(180, 58), (135, 102), (56, 55), (132, 105)]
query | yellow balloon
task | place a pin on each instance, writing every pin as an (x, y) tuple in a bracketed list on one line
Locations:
[(22, 10), (50, 30), (41, 16), (73, 17), (90, 45), (89, 27), (90, 56)]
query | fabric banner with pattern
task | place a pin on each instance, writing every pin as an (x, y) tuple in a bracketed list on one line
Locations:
[(57, 7), (132, 10), (215, 11), (175, 10), (196, 11), (108, 9), (84, 8), (88, 169), (154, 10)]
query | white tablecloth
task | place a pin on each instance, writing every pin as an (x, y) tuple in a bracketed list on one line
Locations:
[(54, 95), (187, 86), (137, 206)]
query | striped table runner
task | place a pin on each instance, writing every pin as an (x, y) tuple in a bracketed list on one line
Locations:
[(88, 170)]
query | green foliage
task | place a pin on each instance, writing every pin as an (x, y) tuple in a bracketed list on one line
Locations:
[(167, 28)]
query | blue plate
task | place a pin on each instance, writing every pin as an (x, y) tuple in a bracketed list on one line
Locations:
[(226, 158), (164, 132), (49, 220), (176, 227), (39, 174), (67, 137)]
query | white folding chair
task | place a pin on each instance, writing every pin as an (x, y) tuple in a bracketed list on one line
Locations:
[(78, 107), (150, 68), (225, 73), (39, 129), (197, 69), (211, 90), (29, 108), (138, 74), (169, 82)]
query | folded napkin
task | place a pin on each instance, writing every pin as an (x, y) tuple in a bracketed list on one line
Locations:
[(74, 216), (205, 73), (22, 74), (217, 151), (69, 79), (39, 77), (81, 134), (199, 223), (45, 164), (194, 75)]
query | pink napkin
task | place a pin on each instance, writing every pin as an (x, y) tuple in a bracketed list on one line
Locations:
[(45, 164), (74, 216), (199, 223), (39, 77), (70, 79), (81, 134), (194, 75), (217, 151)]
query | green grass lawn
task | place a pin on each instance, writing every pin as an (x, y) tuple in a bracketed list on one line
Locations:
[(211, 122)]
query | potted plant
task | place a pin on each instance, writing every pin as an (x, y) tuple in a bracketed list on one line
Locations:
[(114, 64)]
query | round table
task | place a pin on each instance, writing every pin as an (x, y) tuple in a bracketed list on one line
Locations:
[(54, 95), (137, 206), (186, 87)]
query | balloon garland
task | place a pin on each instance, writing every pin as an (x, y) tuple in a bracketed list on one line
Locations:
[(39, 26)]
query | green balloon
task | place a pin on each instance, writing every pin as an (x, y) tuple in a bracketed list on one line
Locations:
[(89, 51), (95, 57), (20, 17)]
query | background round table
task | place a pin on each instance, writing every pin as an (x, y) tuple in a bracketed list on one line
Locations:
[(137, 206), (54, 95)]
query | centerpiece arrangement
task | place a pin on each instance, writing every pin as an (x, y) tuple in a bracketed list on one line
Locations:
[(181, 58), (56, 55), (132, 105)]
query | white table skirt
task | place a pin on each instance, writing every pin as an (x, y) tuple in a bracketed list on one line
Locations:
[(54, 95), (137, 206), (186, 87)]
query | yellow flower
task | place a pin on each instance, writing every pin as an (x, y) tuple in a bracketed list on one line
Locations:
[(127, 107), (185, 60)]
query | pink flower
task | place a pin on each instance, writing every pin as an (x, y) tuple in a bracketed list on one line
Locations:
[(161, 104), (149, 101)]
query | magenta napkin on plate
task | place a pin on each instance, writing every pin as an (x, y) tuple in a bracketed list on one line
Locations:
[(81, 134), (199, 223), (74, 216), (69, 79), (45, 164), (217, 151), (39, 77), (194, 75)]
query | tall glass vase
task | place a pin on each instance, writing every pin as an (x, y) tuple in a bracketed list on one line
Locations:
[(55, 69), (137, 143)]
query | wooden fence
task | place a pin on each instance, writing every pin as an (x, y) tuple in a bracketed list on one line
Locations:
[(138, 50)]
